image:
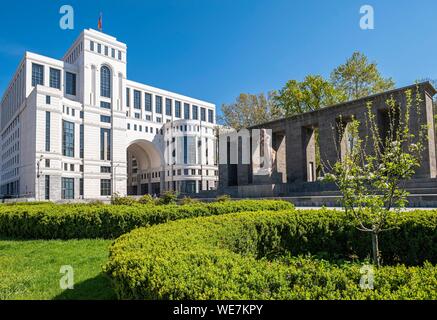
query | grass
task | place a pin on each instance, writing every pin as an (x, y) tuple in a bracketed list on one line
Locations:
[(30, 270)]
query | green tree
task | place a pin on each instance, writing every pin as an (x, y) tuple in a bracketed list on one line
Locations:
[(249, 110), (313, 93), (369, 174), (359, 78)]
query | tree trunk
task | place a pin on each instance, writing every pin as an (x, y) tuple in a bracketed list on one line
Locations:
[(375, 249)]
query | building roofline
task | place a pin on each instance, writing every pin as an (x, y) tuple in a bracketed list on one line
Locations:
[(169, 93), (427, 84)]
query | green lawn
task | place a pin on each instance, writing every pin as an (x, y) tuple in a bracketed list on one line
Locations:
[(30, 269)]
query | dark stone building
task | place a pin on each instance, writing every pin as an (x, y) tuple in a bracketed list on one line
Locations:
[(295, 172)]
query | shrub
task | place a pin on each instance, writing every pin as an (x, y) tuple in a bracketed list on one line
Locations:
[(223, 198), (241, 256), (168, 197), (50, 221), (147, 199), (125, 201), (187, 200)]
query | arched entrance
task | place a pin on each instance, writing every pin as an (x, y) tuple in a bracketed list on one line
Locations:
[(144, 168)]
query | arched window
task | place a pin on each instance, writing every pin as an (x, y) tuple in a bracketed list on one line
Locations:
[(105, 82)]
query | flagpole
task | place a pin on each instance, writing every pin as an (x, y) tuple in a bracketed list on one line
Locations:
[(100, 23)]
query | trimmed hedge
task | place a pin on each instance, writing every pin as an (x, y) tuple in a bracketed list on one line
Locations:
[(50, 221), (241, 256)]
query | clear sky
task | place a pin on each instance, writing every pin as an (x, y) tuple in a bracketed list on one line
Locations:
[(216, 49)]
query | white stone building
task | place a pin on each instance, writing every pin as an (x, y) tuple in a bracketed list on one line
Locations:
[(77, 128)]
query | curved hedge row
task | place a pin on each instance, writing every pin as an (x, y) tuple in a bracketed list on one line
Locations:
[(241, 256), (50, 221)]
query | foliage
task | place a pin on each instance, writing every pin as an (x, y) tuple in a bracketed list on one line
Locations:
[(249, 110), (370, 181), (358, 78), (125, 201), (311, 94), (223, 198), (187, 200), (147, 199), (50, 221), (244, 256), (168, 197)]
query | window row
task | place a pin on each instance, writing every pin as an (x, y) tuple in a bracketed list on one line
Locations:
[(106, 50), (68, 141), (189, 111), (54, 79), (193, 172), (68, 190), (139, 127)]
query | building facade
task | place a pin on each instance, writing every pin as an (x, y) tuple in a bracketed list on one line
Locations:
[(306, 146), (77, 128)]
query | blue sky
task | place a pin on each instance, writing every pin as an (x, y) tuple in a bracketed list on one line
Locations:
[(216, 49)]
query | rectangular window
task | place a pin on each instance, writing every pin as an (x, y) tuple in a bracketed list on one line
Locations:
[(105, 144), (137, 116), (48, 100), (81, 187), (127, 97), (159, 120), (47, 187), (119, 55), (99, 48), (177, 109), (202, 114), (37, 74), (137, 99), (47, 163), (195, 115), (92, 45), (67, 188), (67, 138), (105, 187), (105, 105), (106, 119), (147, 102), (105, 169), (158, 104), (81, 140), (186, 111), (113, 53), (55, 78), (70, 83), (106, 50), (168, 107), (185, 149), (47, 131), (211, 116)]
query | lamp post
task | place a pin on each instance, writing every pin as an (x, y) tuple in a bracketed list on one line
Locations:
[(38, 175)]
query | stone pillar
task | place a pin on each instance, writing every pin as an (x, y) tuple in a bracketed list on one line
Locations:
[(426, 116), (295, 153), (327, 143), (309, 146)]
